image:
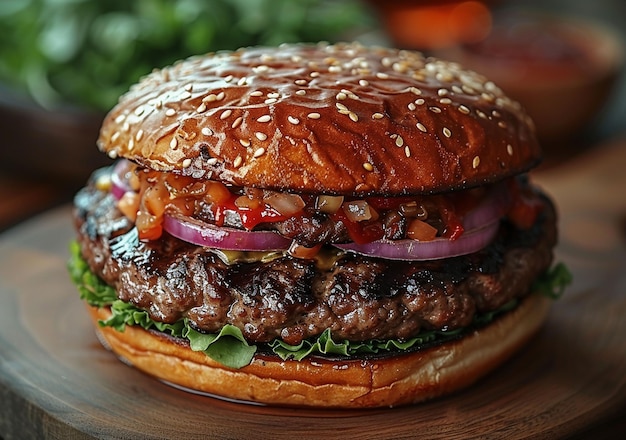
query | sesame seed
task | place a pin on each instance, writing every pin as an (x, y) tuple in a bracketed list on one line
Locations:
[(131, 144), (399, 141), (260, 136), (420, 101), (434, 109), (256, 93), (228, 78), (120, 118), (491, 87), (481, 114), (173, 143), (415, 90), (446, 132), (237, 162), (442, 92), (210, 98), (467, 89), (185, 95), (363, 83), (115, 136), (314, 74), (368, 166), (377, 116), (158, 104), (212, 161), (399, 67), (411, 106), (381, 75), (220, 96), (264, 118), (226, 113), (341, 96), (476, 162), (273, 95), (237, 122), (444, 76), (334, 69), (259, 152), (139, 135), (170, 112), (125, 127), (206, 131), (421, 127), (487, 97), (242, 81), (300, 82), (496, 114), (201, 108), (445, 101), (112, 154), (509, 149), (270, 101), (353, 116), (313, 116), (301, 92), (189, 87), (407, 151), (340, 106), (244, 142), (186, 163), (139, 110), (463, 109), (501, 124)]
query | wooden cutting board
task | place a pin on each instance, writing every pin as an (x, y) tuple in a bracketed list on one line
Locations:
[(56, 380)]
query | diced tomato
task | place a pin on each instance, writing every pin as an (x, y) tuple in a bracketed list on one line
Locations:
[(524, 208), (453, 226), (360, 232), (387, 203)]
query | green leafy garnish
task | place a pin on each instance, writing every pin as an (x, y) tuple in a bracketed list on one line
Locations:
[(554, 281), (229, 346), (88, 52)]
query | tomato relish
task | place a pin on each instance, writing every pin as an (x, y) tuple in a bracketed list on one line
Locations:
[(152, 193)]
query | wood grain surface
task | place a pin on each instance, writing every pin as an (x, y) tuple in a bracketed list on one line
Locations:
[(56, 380)]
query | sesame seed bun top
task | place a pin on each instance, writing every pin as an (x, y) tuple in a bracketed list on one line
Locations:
[(338, 119)]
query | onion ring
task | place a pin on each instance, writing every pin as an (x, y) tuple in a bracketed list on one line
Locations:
[(205, 234), (407, 249)]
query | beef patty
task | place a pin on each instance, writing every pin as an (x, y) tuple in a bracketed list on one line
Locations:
[(357, 297)]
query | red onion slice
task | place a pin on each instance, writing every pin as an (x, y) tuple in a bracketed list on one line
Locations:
[(119, 184), (471, 241), (493, 207), (205, 234)]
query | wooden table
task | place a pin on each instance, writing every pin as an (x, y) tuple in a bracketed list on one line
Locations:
[(56, 381)]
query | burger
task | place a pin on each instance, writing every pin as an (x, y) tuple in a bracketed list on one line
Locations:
[(328, 225)]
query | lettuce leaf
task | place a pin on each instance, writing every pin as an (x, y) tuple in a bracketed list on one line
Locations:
[(554, 281), (229, 346)]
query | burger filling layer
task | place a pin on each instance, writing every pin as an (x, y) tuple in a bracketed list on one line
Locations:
[(278, 299)]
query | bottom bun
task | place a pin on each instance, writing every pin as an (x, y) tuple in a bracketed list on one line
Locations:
[(318, 382)]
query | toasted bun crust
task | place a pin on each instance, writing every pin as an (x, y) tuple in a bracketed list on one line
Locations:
[(323, 383), (342, 119)]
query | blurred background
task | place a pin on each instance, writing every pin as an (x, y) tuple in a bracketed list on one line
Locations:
[(63, 63)]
